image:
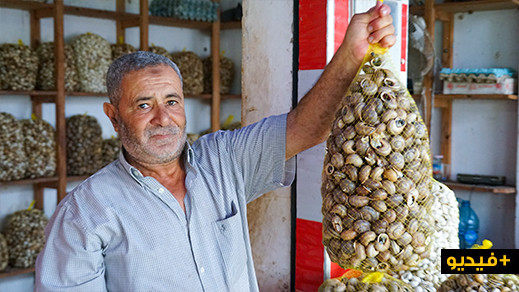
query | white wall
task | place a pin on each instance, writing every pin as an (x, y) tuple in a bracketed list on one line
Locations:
[(15, 25), (484, 132)]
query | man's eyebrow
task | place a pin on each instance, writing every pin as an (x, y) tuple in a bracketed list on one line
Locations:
[(173, 95), (143, 98)]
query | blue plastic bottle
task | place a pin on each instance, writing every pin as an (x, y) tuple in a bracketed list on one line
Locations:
[(469, 225)]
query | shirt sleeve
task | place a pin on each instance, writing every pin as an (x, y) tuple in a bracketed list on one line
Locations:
[(258, 154), (72, 259)]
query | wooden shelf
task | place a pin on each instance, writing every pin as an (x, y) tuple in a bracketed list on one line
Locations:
[(32, 92), (24, 5), (174, 22), (230, 25), (477, 5), (9, 272), (477, 96), (481, 188), (46, 181)]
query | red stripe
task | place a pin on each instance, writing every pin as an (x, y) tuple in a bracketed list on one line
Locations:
[(312, 34), (309, 255), (341, 21), (403, 48)]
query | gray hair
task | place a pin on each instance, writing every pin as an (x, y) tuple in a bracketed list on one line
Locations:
[(132, 62)]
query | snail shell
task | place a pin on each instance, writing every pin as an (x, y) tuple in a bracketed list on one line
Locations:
[(369, 214), (376, 173), (351, 172), (418, 239), (358, 201), (348, 147), (364, 129), (388, 115), (389, 215), (383, 256), (379, 206), (360, 226), (349, 133), (397, 143), (354, 98), (338, 176), (337, 160), (409, 130), (369, 87), (340, 197), (348, 234), (395, 230), (388, 186), (379, 226), (362, 145), (347, 114), (337, 223), (360, 250), (404, 185), (340, 210), (396, 159), (371, 157), (401, 213), (329, 169), (411, 154), (347, 186), (405, 239), (404, 103), (354, 159), (367, 237), (382, 147), (396, 126), (364, 173), (372, 252), (378, 194), (382, 243), (369, 115)]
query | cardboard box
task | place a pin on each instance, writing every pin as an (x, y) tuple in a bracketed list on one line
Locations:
[(506, 86)]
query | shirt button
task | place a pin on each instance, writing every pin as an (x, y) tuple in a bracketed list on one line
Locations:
[(222, 227), (160, 190), (202, 270)]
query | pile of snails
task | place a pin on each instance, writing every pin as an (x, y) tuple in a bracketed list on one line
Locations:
[(24, 233), (427, 275), (84, 145), (119, 50), (93, 57), (160, 51), (39, 140), (18, 67), (480, 282), (192, 70), (376, 182), (110, 150), (46, 68), (226, 74), (355, 284), (13, 161), (4, 253)]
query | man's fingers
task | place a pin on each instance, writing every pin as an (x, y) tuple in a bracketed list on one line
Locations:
[(378, 35)]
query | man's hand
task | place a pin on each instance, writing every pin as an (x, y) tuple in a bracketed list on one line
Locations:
[(371, 27), (310, 122)]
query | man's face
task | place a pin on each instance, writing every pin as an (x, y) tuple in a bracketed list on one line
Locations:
[(150, 119)]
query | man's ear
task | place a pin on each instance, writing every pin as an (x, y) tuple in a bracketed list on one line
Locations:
[(111, 113)]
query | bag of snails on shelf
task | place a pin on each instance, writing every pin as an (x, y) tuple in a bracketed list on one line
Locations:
[(376, 179), (355, 280)]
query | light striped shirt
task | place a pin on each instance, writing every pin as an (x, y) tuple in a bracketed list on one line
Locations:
[(119, 231)]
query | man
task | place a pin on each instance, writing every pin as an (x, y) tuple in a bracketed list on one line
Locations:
[(167, 216)]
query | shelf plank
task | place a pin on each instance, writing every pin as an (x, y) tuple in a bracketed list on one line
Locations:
[(10, 272), (25, 5), (31, 92), (477, 5), (477, 96), (98, 13), (230, 25), (175, 22), (481, 188), (46, 181)]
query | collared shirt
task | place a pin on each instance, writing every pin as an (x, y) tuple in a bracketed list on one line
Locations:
[(120, 231)]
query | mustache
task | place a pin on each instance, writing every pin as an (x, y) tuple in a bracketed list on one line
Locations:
[(169, 130)]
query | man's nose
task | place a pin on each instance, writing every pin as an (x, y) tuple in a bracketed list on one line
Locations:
[(161, 116)]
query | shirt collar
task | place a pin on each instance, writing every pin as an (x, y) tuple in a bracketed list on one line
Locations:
[(188, 153)]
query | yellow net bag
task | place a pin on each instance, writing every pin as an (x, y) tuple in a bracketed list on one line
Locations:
[(376, 179), (355, 280)]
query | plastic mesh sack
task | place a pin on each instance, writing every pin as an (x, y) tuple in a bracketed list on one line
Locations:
[(18, 67), (93, 57), (84, 145), (192, 70), (13, 161), (376, 179), (40, 147), (47, 69), (356, 280), (226, 74), (119, 50)]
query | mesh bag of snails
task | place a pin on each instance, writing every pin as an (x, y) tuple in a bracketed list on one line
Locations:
[(46, 69), (376, 178), (192, 70), (93, 56), (355, 280), (481, 282), (18, 67)]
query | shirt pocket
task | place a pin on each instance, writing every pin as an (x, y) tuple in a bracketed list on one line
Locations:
[(229, 233)]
